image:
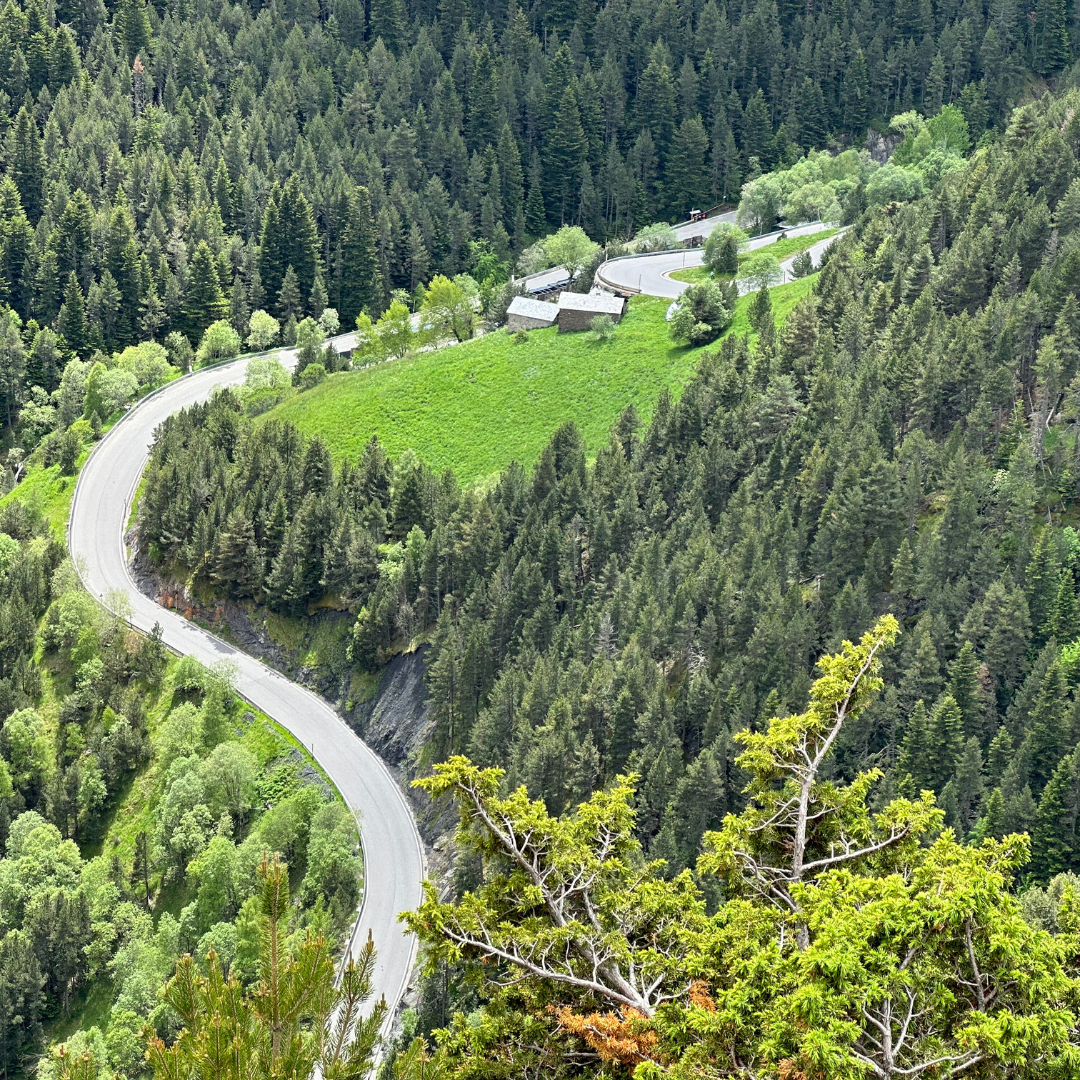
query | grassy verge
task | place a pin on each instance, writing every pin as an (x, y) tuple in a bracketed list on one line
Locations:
[(476, 407), (782, 249), (47, 490)]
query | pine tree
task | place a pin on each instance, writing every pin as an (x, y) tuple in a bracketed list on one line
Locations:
[(318, 301), (1064, 621), (855, 96), (1001, 754), (687, 184), (760, 313), (351, 22), (564, 155), (968, 784), (12, 369), (271, 255), (1051, 36), (990, 824), (946, 741), (223, 193), (389, 21), (1048, 736), (288, 301), (72, 239), (237, 566), (758, 140), (133, 27), (122, 261), (63, 59), (655, 102), (203, 301), (1041, 581), (361, 289), (934, 87), (922, 680), (1054, 844), (239, 312), (16, 249), (298, 238), (71, 322), (510, 174), (26, 163), (1067, 212), (811, 113), (963, 687), (914, 759), (535, 213), (297, 1020), (483, 104), (726, 166)]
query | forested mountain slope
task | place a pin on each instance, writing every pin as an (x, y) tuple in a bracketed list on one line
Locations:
[(905, 444), (138, 796), (167, 163)]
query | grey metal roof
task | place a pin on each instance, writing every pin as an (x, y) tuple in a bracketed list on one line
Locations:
[(599, 302), (533, 309)]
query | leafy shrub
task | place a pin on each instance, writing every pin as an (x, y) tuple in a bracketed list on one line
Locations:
[(219, 342), (602, 328), (263, 330), (722, 248)]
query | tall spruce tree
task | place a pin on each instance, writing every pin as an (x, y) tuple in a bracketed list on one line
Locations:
[(204, 301), (26, 163), (1050, 35), (361, 288)]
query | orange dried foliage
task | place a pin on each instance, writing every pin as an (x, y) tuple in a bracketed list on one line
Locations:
[(699, 996), (625, 1037)]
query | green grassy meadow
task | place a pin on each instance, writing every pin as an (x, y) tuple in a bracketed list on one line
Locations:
[(478, 406)]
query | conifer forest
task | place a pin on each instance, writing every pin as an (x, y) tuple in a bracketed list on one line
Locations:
[(733, 718)]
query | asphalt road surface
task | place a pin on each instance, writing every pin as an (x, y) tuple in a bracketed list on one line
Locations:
[(650, 274), (393, 855)]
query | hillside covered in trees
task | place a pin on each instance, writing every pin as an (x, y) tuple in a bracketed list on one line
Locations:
[(906, 442), (635, 633), (138, 797), (166, 164)]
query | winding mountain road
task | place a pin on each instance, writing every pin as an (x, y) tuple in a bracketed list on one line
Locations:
[(651, 274), (393, 853)]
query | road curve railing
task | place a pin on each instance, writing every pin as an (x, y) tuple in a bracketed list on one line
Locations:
[(623, 283)]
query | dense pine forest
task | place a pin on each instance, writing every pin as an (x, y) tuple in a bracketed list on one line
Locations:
[(905, 442), (166, 164), (703, 834)]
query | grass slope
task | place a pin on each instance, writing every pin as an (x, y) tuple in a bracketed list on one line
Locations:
[(476, 407), (47, 490)]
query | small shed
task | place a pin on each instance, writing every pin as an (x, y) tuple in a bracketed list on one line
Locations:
[(577, 310), (525, 313)]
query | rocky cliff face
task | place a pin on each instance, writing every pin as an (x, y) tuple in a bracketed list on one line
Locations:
[(396, 722)]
